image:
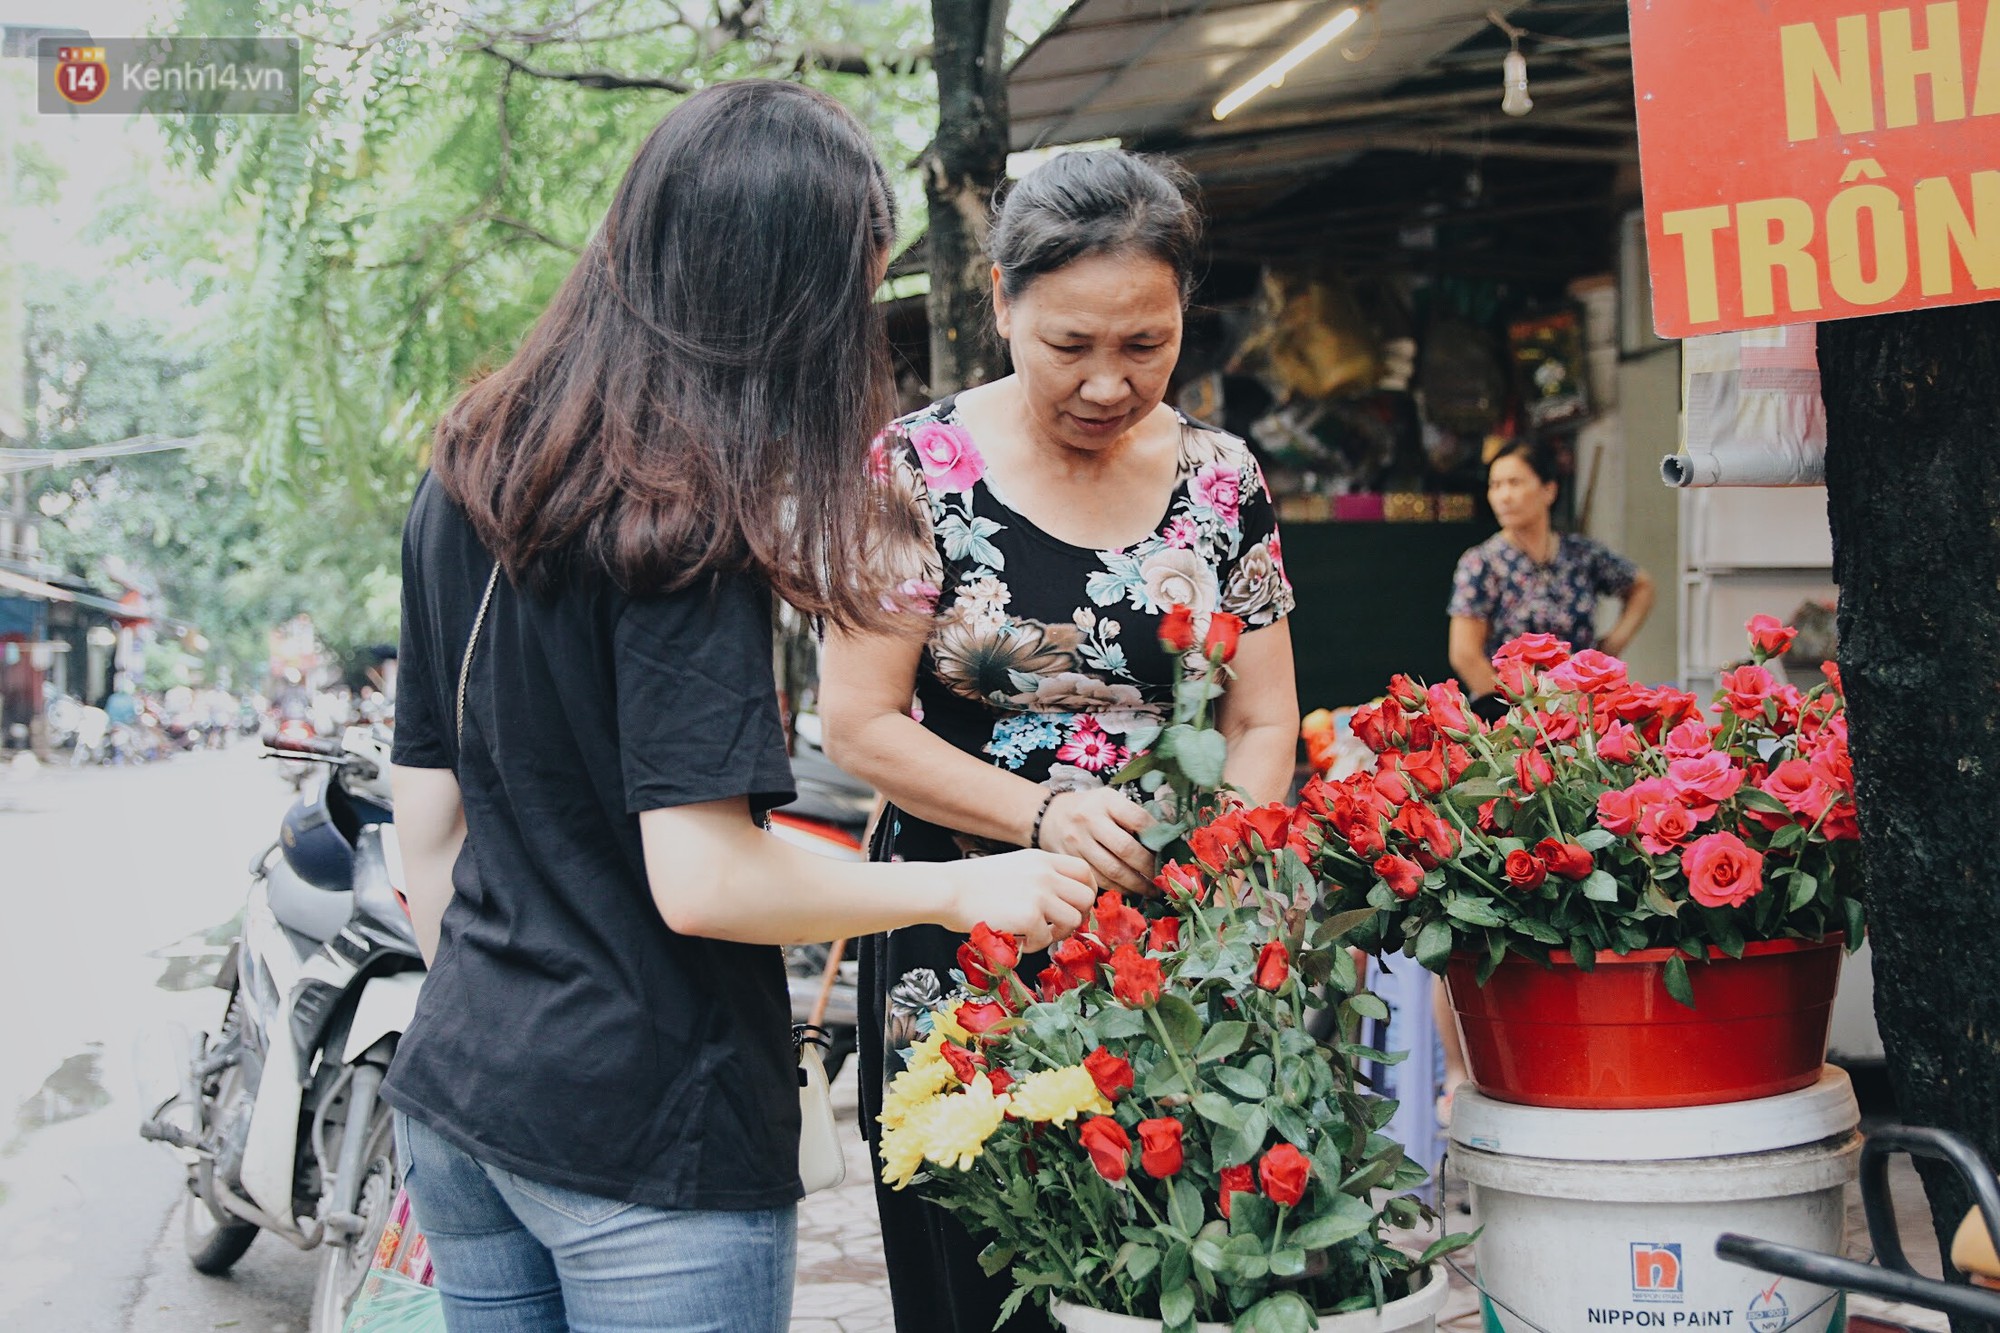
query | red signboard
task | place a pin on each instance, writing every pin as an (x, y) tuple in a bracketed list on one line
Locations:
[(1808, 160)]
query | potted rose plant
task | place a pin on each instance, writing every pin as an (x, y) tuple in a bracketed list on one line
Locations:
[(1145, 1129), (1603, 844)]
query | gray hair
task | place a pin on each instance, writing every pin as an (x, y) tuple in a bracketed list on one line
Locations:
[(1096, 201)]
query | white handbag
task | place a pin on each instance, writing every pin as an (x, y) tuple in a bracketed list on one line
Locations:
[(822, 1164)]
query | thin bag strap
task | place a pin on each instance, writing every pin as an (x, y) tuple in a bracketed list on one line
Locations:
[(465, 667)]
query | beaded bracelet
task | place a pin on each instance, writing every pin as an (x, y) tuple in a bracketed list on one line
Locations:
[(1035, 833)]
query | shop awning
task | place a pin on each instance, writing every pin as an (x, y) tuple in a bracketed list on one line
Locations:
[(20, 585)]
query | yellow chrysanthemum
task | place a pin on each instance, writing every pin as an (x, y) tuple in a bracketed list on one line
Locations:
[(943, 1022), (1057, 1096), (903, 1149), (927, 1075), (955, 1128)]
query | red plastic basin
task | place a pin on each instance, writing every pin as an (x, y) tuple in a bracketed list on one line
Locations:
[(1613, 1039)]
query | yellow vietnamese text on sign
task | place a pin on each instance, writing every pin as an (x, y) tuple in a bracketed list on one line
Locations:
[(1876, 133)]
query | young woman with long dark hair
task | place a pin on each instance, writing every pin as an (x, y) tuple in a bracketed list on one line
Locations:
[(597, 1108)]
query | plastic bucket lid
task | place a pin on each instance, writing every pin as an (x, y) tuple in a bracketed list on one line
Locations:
[(1823, 1111)]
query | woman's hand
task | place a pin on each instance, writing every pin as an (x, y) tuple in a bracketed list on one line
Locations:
[(1036, 897), (1100, 827)]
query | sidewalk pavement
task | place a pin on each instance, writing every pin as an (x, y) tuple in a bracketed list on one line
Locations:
[(843, 1287)]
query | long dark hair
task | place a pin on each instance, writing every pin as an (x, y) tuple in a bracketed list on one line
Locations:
[(698, 398)]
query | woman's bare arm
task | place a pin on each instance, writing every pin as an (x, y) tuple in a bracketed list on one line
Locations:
[(1638, 605), (430, 829), (1468, 656), (1259, 715)]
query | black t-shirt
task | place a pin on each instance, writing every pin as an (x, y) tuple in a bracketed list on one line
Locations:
[(566, 1033)]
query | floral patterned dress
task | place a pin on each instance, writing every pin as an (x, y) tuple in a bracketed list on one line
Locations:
[(1043, 658)]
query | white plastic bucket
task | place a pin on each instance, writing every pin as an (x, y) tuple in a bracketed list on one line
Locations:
[(1608, 1219), (1415, 1313)]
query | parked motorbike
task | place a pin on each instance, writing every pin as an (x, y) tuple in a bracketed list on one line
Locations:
[(296, 736), (277, 1119), (830, 817)]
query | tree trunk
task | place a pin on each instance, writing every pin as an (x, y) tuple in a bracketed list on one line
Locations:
[(1913, 491), (964, 164)]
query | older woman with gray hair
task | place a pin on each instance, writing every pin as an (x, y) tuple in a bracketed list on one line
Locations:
[(1069, 509)]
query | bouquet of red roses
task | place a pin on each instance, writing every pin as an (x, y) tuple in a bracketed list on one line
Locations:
[(1598, 814), (1146, 1126)]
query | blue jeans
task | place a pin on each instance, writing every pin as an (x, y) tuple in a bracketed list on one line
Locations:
[(518, 1256)]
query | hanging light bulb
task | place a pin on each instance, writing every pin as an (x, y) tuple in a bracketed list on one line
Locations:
[(1514, 80)]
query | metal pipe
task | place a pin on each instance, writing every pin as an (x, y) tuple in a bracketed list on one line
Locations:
[(342, 1224)]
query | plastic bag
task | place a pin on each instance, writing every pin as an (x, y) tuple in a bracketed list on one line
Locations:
[(397, 1295)]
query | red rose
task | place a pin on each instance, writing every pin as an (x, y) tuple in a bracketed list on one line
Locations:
[(1111, 1073), (1223, 632), (1365, 836), (963, 1063), (1271, 823), (1703, 784), (999, 950), (1842, 823), (1135, 979), (1235, 1180), (1446, 702), (979, 1019), (1423, 825), (1723, 871), (1525, 870), (1164, 936), (1403, 876), (1283, 1173), (1620, 744), (1664, 827), (1160, 1146), (1177, 629), (1831, 670), (1619, 812), (1215, 843), (1532, 771), (1566, 859), (1588, 672), (1110, 1148), (1794, 783), (1515, 678), (1274, 966), (1536, 650), (1000, 1080), (1770, 636), (1178, 881), (1078, 959), (1053, 981), (1428, 769), (1487, 823), (976, 975), (1833, 765), (1748, 687), (1554, 727), (1368, 726), (1690, 740), (1118, 923)]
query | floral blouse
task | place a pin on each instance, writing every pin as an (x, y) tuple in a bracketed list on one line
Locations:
[(1498, 582), (1044, 657)]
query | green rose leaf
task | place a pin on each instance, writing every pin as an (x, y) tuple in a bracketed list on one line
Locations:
[(1177, 1305), (1218, 1109), (1596, 839), (1473, 911), (1182, 1023), (1434, 946), (1200, 753), (1346, 1219), (1184, 1208), (1156, 836), (1341, 924), (1224, 1039), (1600, 887), (1118, 1021), (1804, 886), (1369, 1006), (1678, 984)]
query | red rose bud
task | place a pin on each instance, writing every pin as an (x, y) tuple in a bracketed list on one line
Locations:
[(1274, 965), (979, 1019), (1532, 771), (1407, 693), (1283, 1174), (1770, 636), (1000, 1079), (1487, 823), (1160, 1147), (1831, 670), (1110, 1148), (1235, 1180), (976, 975), (1177, 629), (1053, 981), (1403, 876), (1164, 936), (1216, 843), (1077, 959), (1525, 870), (1565, 859), (1117, 923), (1111, 1073), (1135, 979), (1270, 823), (1178, 882), (999, 949), (963, 1063), (1224, 630)]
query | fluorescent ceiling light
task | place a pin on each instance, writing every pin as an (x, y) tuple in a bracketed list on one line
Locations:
[(1274, 74)]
